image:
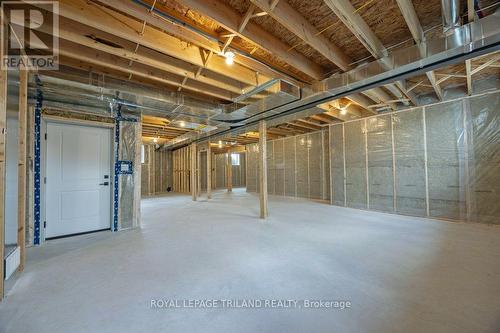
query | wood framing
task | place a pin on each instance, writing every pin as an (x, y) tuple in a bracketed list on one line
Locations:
[(209, 171), (21, 188), (184, 33), (192, 173), (124, 27), (352, 20), (263, 169), (413, 23), (78, 34), (296, 23), (229, 171), (198, 173), (182, 170), (230, 19), (96, 57), (355, 23), (3, 125)]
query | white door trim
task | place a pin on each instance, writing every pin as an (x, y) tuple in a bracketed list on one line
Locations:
[(43, 162)]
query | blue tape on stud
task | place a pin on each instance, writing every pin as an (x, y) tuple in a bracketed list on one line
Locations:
[(117, 148), (121, 167), (124, 167), (37, 137)]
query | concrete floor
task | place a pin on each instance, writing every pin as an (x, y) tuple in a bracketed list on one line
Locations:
[(402, 274)]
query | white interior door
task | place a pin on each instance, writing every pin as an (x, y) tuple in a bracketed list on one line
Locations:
[(78, 184)]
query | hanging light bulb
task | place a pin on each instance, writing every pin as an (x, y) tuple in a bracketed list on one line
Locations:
[(155, 140), (182, 124), (343, 110), (229, 57)]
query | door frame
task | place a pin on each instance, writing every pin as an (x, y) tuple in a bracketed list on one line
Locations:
[(43, 162)]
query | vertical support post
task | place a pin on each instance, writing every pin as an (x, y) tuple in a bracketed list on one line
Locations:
[(152, 168), (198, 174), (468, 210), (345, 171), (308, 148), (284, 173), (427, 207), (263, 169), (137, 171), (330, 162), (366, 166), (116, 186), (295, 164), (209, 171), (193, 171), (21, 185), (3, 125), (322, 166), (229, 171), (394, 187)]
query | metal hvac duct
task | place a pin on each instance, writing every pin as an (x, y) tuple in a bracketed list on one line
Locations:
[(467, 41), (450, 12)]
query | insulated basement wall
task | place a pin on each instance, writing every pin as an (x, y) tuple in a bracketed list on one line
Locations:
[(440, 160), (157, 171), (252, 170), (296, 166), (129, 184)]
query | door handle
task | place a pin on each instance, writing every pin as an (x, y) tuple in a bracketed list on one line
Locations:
[(104, 184)]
